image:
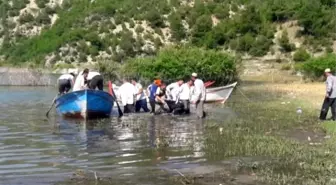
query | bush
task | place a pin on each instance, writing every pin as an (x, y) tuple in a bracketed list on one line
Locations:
[(174, 63), (41, 3), (26, 18), (286, 67), (43, 18), (301, 55), (155, 19), (286, 46), (139, 29), (315, 67)]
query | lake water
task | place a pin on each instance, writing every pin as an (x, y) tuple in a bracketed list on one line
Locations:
[(35, 150)]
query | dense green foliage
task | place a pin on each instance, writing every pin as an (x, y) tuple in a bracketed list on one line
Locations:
[(250, 29), (315, 67), (178, 63), (301, 55)]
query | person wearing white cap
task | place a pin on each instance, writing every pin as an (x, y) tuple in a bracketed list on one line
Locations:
[(199, 95), (330, 96), (65, 82)]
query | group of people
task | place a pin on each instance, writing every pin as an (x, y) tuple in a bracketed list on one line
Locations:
[(174, 98), (85, 80)]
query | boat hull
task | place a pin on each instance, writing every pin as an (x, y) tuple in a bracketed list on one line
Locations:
[(85, 104), (219, 94)]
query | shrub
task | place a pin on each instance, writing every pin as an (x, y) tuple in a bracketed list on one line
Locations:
[(286, 67), (179, 62), (41, 3), (43, 18), (50, 10), (284, 42), (26, 18), (139, 29), (315, 67), (155, 19), (329, 49), (301, 55), (131, 24)]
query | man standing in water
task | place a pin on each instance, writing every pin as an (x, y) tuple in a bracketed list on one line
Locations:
[(199, 95), (127, 93), (141, 100), (330, 97)]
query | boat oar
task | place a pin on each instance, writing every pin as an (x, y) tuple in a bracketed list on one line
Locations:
[(53, 102), (115, 99)]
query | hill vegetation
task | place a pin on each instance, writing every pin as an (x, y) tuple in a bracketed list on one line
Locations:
[(50, 32)]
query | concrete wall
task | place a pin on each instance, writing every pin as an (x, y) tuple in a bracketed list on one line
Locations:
[(27, 77)]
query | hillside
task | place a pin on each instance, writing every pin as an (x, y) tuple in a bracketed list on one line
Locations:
[(50, 32)]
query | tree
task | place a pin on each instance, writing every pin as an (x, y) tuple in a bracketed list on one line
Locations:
[(176, 26), (199, 31), (286, 46), (155, 19)]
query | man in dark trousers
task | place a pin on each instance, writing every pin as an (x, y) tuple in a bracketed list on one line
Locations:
[(330, 97)]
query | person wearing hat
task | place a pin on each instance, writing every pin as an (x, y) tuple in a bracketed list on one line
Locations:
[(152, 93), (160, 97), (199, 95), (65, 82), (330, 96)]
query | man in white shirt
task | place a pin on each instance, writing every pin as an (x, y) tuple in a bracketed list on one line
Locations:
[(199, 95), (172, 91), (127, 93), (94, 80), (184, 97), (65, 83), (81, 81), (141, 100)]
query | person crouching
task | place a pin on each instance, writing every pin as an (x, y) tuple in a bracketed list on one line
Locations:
[(65, 83), (160, 98), (95, 80)]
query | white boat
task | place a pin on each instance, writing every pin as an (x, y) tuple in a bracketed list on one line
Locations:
[(219, 94)]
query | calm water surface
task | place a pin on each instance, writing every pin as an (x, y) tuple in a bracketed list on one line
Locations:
[(35, 150)]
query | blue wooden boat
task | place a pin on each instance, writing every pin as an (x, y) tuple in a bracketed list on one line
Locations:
[(85, 104)]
